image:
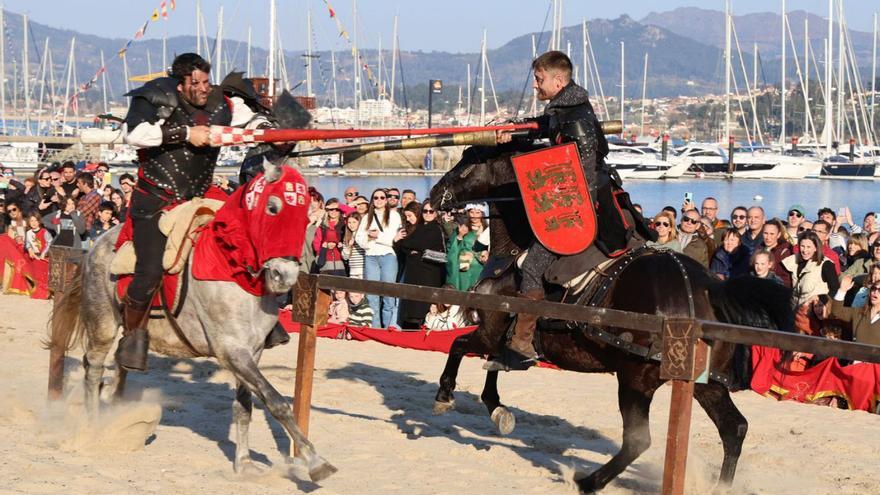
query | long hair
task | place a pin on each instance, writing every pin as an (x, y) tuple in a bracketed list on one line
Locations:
[(673, 232), (415, 208), (346, 237), (41, 190), (783, 232), (811, 236), (371, 211)]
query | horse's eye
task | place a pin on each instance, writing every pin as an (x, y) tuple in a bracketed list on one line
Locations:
[(274, 205)]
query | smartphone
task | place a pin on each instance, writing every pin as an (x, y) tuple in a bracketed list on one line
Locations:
[(108, 178), (688, 197)]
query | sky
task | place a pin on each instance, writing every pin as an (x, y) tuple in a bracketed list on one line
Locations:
[(444, 25)]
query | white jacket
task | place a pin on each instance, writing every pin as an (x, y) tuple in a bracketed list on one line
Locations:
[(383, 244)]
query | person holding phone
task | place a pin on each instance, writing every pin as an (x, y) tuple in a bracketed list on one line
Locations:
[(375, 235)]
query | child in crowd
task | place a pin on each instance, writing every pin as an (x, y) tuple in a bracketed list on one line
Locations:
[(360, 314), (37, 238), (337, 312), (105, 221), (352, 251)]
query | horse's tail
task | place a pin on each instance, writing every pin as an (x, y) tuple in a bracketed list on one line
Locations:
[(65, 327), (754, 302)]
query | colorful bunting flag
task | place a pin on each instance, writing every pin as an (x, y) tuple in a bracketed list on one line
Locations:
[(163, 7), (140, 32), (155, 16)]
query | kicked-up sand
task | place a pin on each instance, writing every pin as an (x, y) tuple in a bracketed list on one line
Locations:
[(372, 418)]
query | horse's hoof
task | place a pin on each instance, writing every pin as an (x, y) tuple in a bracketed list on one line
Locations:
[(320, 469), (504, 420), (443, 407), (247, 467)]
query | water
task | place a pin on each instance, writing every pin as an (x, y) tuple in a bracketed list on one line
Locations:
[(775, 196)]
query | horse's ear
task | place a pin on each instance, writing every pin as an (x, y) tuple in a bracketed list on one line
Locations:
[(271, 171)]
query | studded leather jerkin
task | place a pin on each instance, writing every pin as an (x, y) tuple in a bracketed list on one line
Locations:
[(182, 170)]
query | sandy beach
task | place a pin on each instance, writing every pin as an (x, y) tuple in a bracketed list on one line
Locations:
[(372, 418)]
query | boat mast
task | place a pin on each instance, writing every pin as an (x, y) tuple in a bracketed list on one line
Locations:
[(873, 72), (357, 65), (333, 70), (103, 80), (534, 91), (840, 74), (806, 87), (43, 68), (3, 68), (271, 49), (483, 79), (782, 83), (468, 93), (727, 134), (755, 87), (622, 87), (27, 77), (70, 75), (198, 27), (164, 53), (393, 60), (150, 63), (595, 67), (829, 56), (248, 69), (309, 53), (218, 53), (644, 94)]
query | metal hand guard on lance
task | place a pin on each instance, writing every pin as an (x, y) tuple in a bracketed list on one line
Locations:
[(428, 138)]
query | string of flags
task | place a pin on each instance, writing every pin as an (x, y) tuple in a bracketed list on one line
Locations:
[(160, 12), (343, 33)]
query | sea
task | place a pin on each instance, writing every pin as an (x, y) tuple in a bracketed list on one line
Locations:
[(775, 196)]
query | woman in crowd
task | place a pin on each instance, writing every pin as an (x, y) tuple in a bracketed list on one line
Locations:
[(813, 278), (376, 235), (865, 321), (328, 241), (67, 226), (463, 265), (351, 250), (16, 225), (412, 218), (858, 259), (33, 196), (425, 262), (860, 297), (667, 235), (776, 241), (732, 259), (118, 200), (763, 264)]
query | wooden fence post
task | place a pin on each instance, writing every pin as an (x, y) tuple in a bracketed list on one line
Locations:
[(310, 311), (63, 262), (684, 358)]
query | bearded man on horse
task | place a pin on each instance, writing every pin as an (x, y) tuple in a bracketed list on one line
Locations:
[(168, 121), (569, 118)]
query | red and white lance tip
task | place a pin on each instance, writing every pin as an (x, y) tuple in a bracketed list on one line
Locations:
[(228, 136)]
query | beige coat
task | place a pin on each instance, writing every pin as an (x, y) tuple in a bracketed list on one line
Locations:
[(808, 283)]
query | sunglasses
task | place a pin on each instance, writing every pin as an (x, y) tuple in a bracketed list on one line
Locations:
[(349, 194), (794, 213), (44, 178), (54, 179), (875, 288), (395, 196), (690, 220), (426, 211), (819, 231), (331, 209), (737, 217), (12, 210), (661, 224), (379, 198)]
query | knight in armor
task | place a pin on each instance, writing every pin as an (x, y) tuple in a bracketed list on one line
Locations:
[(568, 118), (168, 121)]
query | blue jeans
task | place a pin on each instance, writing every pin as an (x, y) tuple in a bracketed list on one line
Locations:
[(383, 268)]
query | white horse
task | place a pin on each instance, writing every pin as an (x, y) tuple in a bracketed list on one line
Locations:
[(218, 319)]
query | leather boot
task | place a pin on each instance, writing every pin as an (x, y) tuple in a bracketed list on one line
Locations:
[(131, 353), (278, 336), (520, 353)]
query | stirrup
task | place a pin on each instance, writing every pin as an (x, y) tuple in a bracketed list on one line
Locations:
[(510, 360)]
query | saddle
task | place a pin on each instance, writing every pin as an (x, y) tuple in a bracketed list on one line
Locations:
[(181, 225)]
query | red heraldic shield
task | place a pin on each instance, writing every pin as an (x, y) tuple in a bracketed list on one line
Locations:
[(557, 198)]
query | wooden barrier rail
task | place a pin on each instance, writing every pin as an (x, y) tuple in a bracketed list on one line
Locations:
[(683, 358)]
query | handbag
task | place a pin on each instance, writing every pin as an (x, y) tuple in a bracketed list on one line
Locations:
[(434, 256)]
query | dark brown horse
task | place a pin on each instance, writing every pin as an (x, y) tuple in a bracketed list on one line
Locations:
[(651, 282)]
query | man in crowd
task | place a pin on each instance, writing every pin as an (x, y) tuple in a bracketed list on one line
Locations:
[(89, 198), (753, 237), (738, 219), (68, 179), (709, 209), (393, 195), (795, 220), (692, 243), (407, 197), (168, 121), (100, 170), (351, 194)]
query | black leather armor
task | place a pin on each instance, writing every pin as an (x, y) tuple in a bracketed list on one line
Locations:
[(176, 170)]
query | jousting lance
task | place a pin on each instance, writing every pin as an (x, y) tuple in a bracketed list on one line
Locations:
[(226, 136), (479, 138)]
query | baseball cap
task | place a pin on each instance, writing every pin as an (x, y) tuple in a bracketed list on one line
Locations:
[(798, 208)]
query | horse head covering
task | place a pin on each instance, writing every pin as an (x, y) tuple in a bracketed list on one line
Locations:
[(261, 220)]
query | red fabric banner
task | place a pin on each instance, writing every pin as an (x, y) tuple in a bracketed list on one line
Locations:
[(859, 383), (22, 275)]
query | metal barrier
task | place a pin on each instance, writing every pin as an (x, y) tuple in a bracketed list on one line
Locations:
[(683, 359)]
